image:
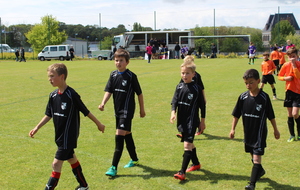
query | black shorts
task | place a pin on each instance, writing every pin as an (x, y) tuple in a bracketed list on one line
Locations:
[(292, 99), (64, 154), (189, 136), (276, 62), (268, 79), (255, 151), (123, 124)]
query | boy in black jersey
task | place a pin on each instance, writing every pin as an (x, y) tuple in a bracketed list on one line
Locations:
[(197, 79), (187, 100), (123, 84), (64, 106), (255, 108)]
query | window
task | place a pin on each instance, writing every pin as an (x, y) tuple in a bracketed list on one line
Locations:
[(61, 48), (46, 49), (53, 48)]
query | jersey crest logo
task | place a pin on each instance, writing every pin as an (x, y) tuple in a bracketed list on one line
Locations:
[(180, 85), (190, 96), (64, 105), (124, 82), (258, 107)]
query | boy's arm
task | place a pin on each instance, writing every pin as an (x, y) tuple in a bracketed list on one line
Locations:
[(276, 132), (100, 126), (234, 123), (43, 121), (141, 103), (105, 99)]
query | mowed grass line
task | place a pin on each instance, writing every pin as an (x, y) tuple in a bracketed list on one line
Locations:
[(26, 162)]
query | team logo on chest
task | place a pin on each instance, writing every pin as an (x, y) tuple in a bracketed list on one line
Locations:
[(124, 82), (258, 107), (190, 96), (64, 105)]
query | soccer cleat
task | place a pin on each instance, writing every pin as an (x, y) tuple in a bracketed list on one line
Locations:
[(179, 135), (180, 176), (193, 167), (274, 98), (198, 133), (298, 138), (291, 139), (81, 188), (112, 171), (251, 186), (131, 163)]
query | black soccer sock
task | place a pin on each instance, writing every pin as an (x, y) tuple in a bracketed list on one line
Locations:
[(53, 181), (274, 91), (194, 157), (186, 160), (298, 125), (77, 171), (118, 150), (131, 147), (256, 168), (290, 123)]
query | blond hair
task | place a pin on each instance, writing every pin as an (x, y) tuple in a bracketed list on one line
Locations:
[(189, 65), (59, 68), (188, 59)]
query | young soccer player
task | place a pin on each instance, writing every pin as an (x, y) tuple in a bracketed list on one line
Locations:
[(64, 106), (187, 100), (290, 73), (123, 84), (197, 79), (275, 57), (268, 67), (252, 50), (255, 108)]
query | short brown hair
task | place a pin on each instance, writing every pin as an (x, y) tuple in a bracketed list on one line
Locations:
[(266, 54), (122, 53), (292, 50), (59, 68)]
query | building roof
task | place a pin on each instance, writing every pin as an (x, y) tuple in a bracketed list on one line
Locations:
[(273, 20)]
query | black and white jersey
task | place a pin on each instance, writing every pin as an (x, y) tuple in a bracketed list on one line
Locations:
[(64, 109), (254, 112), (123, 86), (197, 79), (187, 100)]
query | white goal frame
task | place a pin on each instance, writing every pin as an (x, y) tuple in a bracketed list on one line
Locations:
[(216, 36)]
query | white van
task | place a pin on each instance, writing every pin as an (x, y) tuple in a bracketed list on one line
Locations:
[(5, 48), (60, 52)]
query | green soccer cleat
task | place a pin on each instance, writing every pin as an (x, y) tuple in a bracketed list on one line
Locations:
[(112, 171), (291, 139), (131, 163)]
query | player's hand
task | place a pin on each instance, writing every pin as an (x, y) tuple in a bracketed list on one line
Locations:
[(231, 134), (288, 78), (101, 127), (101, 107), (276, 134), (142, 113), (32, 132)]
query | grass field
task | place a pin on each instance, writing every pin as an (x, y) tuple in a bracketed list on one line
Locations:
[(26, 162)]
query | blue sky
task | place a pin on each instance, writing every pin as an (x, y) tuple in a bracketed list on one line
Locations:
[(181, 14)]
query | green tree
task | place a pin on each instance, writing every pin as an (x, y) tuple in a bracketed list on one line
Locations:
[(46, 33), (280, 31), (106, 43)]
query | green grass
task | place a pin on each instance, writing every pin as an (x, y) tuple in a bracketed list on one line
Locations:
[(26, 162)]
